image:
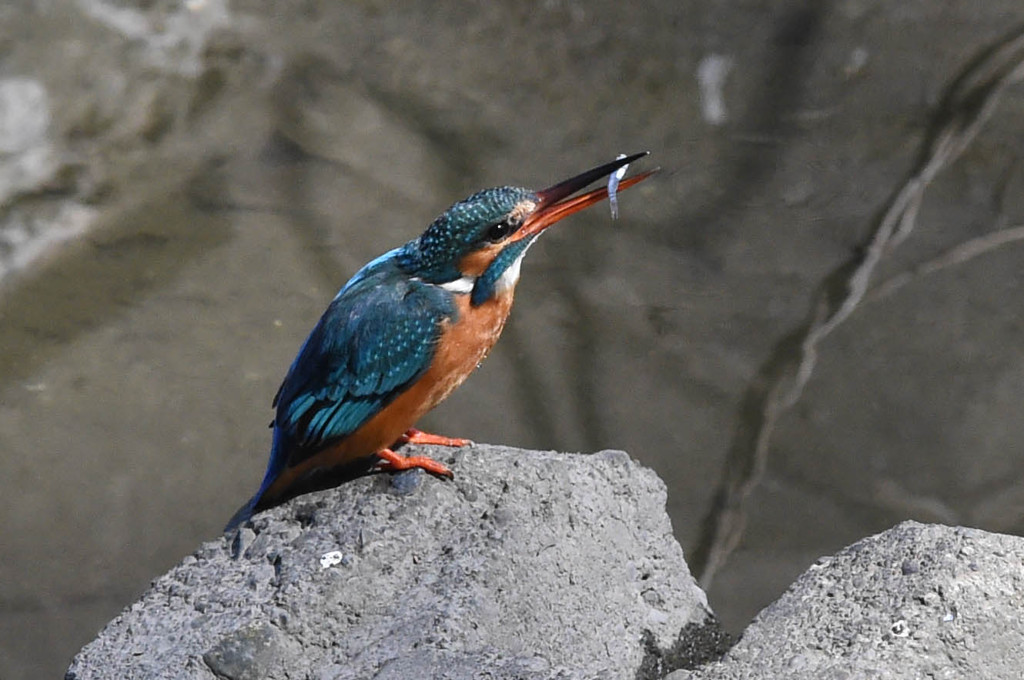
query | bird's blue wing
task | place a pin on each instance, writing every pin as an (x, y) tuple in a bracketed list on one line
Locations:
[(377, 337)]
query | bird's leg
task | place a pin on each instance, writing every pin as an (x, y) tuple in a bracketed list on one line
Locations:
[(393, 462), (414, 436)]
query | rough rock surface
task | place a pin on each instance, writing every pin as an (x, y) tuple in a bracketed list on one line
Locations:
[(527, 565), (917, 601)]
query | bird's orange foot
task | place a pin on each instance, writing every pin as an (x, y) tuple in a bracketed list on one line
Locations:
[(393, 462), (414, 436)]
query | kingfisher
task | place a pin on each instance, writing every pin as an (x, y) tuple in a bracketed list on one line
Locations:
[(404, 332)]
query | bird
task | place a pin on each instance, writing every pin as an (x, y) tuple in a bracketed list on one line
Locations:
[(405, 331)]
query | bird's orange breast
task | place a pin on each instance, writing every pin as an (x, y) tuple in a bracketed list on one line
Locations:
[(463, 344), (460, 349)]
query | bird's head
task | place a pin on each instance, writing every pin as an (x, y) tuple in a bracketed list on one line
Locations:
[(477, 245)]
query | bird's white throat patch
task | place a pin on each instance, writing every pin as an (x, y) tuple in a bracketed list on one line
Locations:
[(508, 279), (462, 284)]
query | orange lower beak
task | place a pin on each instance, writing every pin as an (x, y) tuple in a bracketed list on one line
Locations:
[(553, 203)]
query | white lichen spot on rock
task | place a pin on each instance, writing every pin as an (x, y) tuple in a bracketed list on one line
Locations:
[(331, 559), (28, 156), (711, 74), (24, 114), (900, 629), (856, 62)]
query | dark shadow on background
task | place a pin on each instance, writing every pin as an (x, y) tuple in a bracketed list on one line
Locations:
[(960, 103), (797, 33), (768, 117), (793, 49)]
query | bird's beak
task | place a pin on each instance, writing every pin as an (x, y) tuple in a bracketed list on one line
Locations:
[(554, 203)]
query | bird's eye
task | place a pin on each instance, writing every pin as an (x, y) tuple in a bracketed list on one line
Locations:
[(502, 229), (499, 231)]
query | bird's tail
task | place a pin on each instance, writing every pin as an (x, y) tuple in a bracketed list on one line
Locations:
[(253, 504), (274, 467), (243, 514)]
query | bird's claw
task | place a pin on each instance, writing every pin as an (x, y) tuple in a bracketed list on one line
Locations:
[(393, 462), (414, 436)]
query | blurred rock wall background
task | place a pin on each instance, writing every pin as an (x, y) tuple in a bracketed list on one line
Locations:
[(184, 184)]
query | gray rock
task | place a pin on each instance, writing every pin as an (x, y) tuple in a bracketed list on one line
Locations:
[(918, 601), (528, 565)]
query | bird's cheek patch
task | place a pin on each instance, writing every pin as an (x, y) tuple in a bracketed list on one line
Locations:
[(476, 263)]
